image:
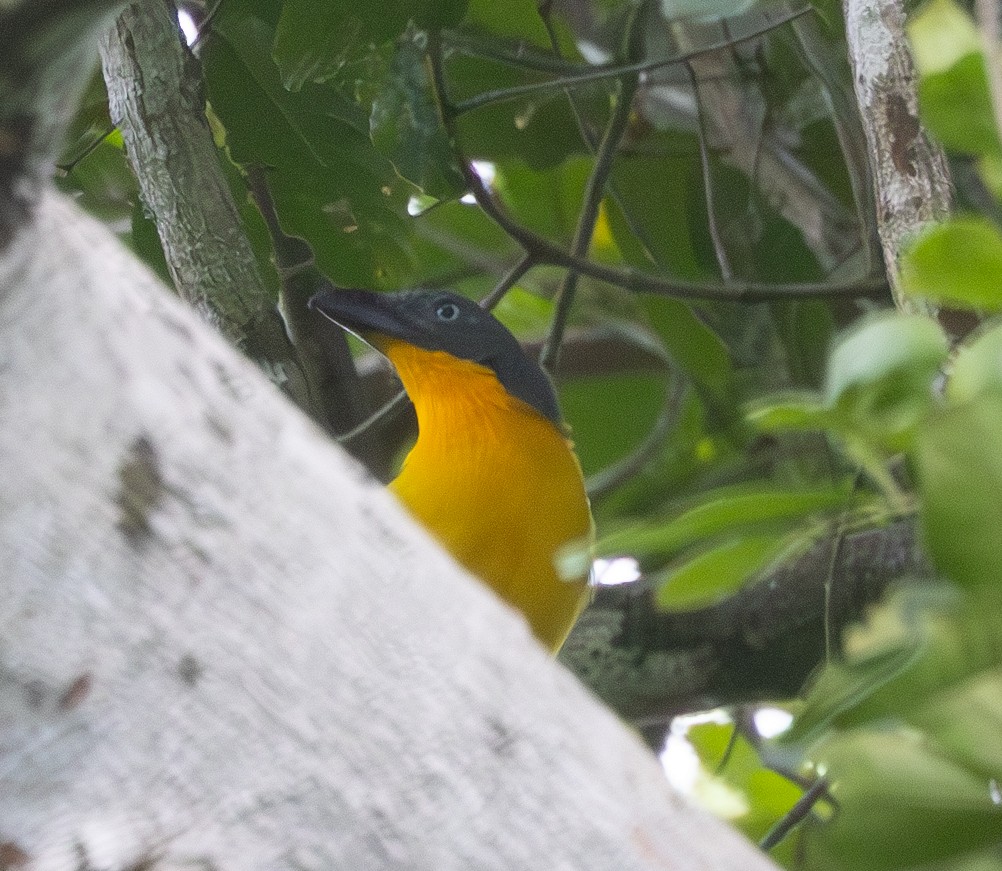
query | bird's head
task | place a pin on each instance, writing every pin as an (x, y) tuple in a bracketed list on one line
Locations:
[(439, 320)]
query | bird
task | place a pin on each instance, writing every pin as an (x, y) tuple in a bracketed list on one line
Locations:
[(493, 474)]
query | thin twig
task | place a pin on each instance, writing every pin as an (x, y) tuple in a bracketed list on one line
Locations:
[(88, 149), (629, 279), (206, 26), (591, 140), (732, 744), (508, 281), (612, 71), (796, 815), (593, 193), (518, 54), (450, 277), (845, 120), (384, 414), (720, 252), (604, 482)]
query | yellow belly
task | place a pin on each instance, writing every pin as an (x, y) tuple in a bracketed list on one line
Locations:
[(500, 487)]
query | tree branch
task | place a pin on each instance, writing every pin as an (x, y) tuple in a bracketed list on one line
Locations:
[(155, 97), (910, 172), (197, 672), (629, 279), (760, 644), (46, 54)]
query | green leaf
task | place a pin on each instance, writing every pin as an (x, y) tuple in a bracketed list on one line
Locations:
[(977, 366), (956, 106), (961, 717), (330, 185), (524, 313), (940, 33), (791, 413), (519, 19), (314, 40), (719, 571), (723, 511), (546, 201), (768, 795), (610, 414), (652, 218), (921, 642), (694, 345), (842, 687), (880, 376), (901, 804), (883, 348), (959, 262), (958, 456), (405, 123)]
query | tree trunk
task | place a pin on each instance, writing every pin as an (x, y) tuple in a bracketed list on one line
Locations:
[(224, 647)]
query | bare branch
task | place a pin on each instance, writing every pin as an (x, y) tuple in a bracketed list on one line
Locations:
[(629, 279), (760, 644), (910, 171), (155, 97)]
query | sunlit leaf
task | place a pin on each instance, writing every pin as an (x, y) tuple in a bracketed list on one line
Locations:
[(718, 571), (881, 373), (960, 718), (405, 124), (977, 366), (955, 105), (883, 348), (721, 512), (958, 456), (959, 262), (768, 795), (841, 688), (940, 33), (901, 804), (789, 413), (921, 642)]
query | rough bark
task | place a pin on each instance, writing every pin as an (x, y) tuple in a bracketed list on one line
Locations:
[(223, 647), (760, 644), (910, 172), (735, 121), (155, 97), (46, 54)]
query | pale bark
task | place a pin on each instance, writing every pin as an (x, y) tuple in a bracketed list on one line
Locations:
[(155, 96), (221, 646), (910, 174)]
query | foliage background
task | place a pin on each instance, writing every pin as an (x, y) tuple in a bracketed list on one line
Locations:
[(738, 389)]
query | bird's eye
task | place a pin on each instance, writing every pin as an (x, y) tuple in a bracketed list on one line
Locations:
[(447, 311)]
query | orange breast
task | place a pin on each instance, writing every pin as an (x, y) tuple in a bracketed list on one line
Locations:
[(499, 485)]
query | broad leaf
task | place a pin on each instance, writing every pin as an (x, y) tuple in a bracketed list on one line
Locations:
[(721, 512), (958, 456), (958, 262), (719, 571), (405, 124)]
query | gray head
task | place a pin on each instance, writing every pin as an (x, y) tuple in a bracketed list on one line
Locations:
[(439, 320)]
